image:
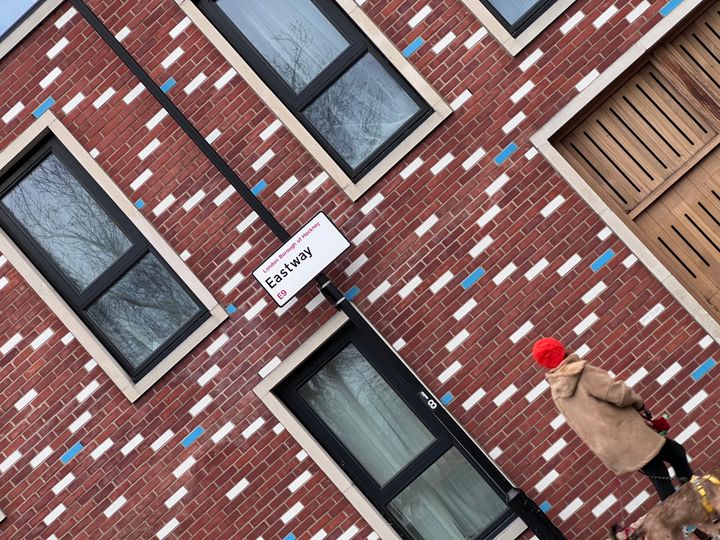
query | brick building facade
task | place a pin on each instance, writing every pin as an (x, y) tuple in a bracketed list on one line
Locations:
[(464, 251)]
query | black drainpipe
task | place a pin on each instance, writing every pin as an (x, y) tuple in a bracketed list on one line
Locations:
[(516, 499)]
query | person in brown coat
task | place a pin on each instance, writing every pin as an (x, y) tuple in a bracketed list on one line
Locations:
[(610, 417)]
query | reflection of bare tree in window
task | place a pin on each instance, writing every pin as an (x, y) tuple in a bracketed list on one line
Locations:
[(361, 110), (142, 310), (66, 221), (292, 60)]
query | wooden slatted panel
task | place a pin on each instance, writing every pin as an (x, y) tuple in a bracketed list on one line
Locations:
[(684, 226), (637, 139)]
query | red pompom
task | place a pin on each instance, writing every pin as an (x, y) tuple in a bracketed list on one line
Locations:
[(548, 352), (660, 424)]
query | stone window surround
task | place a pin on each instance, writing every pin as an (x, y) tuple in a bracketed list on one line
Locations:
[(542, 141), (313, 448), (48, 123), (354, 190), (514, 45), (29, 23)]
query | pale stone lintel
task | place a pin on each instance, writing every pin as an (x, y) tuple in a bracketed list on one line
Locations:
[(354, 190), (31, 22), (48, 123), (514, 45), (541, 141)]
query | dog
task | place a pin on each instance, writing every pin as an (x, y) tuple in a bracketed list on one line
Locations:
[(696, 502)]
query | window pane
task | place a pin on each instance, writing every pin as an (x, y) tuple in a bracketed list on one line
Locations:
[(12, 11), (292, 35), (361, 110), (142, 310), (366, 415), (67, 223), (450, 500), (513, 10)]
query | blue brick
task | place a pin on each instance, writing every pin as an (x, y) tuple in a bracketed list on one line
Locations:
[(71, 453), (230, 309), (545, 507), (290, 536), (667, 8), (168, 85), (262, 184), (414, 46), (602, 260), (502, 156), (44, 106), (703, 369), (447, 398), (139, 203), (192, 436), (473, 278), (353, 292)]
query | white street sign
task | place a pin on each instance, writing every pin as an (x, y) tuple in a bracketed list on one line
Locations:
[(300, 259)]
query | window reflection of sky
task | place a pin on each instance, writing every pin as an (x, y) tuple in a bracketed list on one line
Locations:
[(13, 10), (513, 10)]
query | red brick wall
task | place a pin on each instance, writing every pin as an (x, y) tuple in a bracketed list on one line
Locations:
[(424, 320)]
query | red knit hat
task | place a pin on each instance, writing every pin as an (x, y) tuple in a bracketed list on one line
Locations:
[(548, 352)]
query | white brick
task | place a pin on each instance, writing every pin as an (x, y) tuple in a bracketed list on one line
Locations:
[(629, 261), (372, 203), (317, 182), (410, 287), (605, 17), (224, 195), (62, 484), (237, 489), (194, 200), (686, 433), (604, 505), (13, 112), (572, 22), (42, 338), (536, 269), (514, 122), (200, 405), (475, 38), (263, 160), (705, 342), (222, 432), (505, 395), (132, 444), (179, 28), (62, 21), (299, 481), (443, 43), (140, 180), (115, 506), (586, 80), (252, 428), (593, 293), (466, 308), (426, 225), (50, 77), (694, 401), (497, 185), (639, 10), (558, 421), (134, 93), (571, 509), (521, 332), (347, 535), (52, 516), (24, 401), (637, 502), (149, 149), (156, 119), (184, 467), (175, 497), (460, 100), (470, 402), (74, 102), (41, 457), (122, 34), (80, 421), (378, 291), (552, 206), (172, 58), (471, 161), (232, 283), (286, 186), (239, 252), (11, 343), (245, 223), (9, 461), (441, 282), (669, 373), (522, 91), (569, 265), (605, 233), (255, 310), (530, 60), (419, 16), (455, 342), (546, 481), (481, 246), (442, 163), (448, 373), (101, 449), (291, 513), (636, 377), (226, 78), (651, 315), (164, 205), (586, 323), (269, 367), (162, 440), (217, 344), (268, 131), (495, 452), (504, 274), (167, 529), (536, 392), (554, 450)]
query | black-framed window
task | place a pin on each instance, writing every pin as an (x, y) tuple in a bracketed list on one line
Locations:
[(13, 12), (367, 412), (517, 15), (96, 258), (327, 72)]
